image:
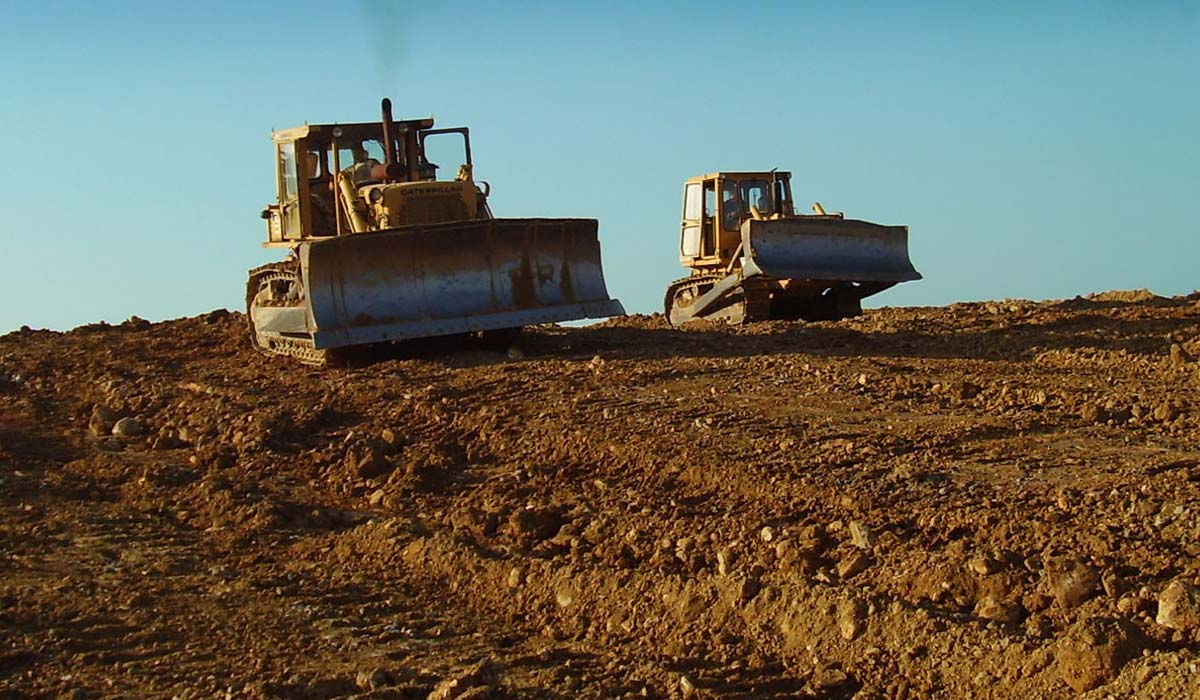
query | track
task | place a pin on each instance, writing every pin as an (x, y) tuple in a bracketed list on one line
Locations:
[(749, 302), (258, 291)]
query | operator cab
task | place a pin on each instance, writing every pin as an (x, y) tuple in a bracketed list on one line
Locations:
[(711, 226), (310, 158)]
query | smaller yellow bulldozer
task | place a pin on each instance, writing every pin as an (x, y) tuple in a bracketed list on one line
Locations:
[(753, 258), (382, 249)]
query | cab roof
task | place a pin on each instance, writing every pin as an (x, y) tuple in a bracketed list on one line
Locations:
[(740, 175), (351, 131)]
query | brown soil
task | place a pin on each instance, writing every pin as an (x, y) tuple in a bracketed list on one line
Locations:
[(983, 500)]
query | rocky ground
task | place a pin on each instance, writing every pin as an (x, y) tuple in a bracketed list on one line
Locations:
[(992, 500)]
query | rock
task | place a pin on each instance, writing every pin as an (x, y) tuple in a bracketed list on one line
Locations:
[(748, 588), (370, 465), (128, 427), (102, 420), (516, 576), (984, 566), (766, 534), (1166, 412), (565, 596), (829, 679), (166, 440), (529, 525), (1128, 296), (1179, 606), (1071, 581), (216, 315), (861, 535), (376, 498), (388, 436), (1179, 356), (373, 679), (853, 565), (852, 618), (1144, 674), (1112, 584), (1093, 651), (1092, 413), (966, 391), (724, 562), (1038, 627), (686, 686), (996, 610), (479, 692), (468, 680)]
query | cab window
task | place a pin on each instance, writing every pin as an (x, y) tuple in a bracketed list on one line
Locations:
[(757, 193), (691, 202), (288, 187), (373, 147), (730, 206)]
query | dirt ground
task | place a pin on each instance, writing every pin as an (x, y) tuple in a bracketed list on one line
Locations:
[(987, 500)]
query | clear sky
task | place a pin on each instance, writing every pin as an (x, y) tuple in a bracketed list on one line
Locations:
[(1035, 149)]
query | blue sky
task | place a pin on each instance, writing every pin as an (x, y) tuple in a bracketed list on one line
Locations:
[(1035, 150)]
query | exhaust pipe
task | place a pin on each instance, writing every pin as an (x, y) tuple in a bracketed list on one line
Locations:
[(389, 138)]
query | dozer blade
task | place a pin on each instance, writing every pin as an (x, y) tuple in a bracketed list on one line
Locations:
[(827, 249), (450, 278)]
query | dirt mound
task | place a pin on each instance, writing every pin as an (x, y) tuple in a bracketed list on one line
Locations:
[(994, 499), (1129, 296)]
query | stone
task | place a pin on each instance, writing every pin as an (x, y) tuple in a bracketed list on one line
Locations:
[(373, 679), (102, 420), (853, 565), (996, 610), (1094, 651), (1179, 356), (1166, 412), (1179, 606), (861, 535), (966, 391), (852, 618), (1071, 581), (984, 566), (128, 427), (481, 674), (376, 498), (565, 596), (529, 525), (686, 687), (724, 562), (516, 576), (1092, 413), (371, 465), (766, 534), (748, 588), (829, 678), (216, 315)]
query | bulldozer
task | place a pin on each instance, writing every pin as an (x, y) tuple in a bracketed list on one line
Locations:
[(382, 249), (753, 258)]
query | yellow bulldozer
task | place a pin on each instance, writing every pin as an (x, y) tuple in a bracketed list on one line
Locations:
[(753, 258), (381, 249)]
